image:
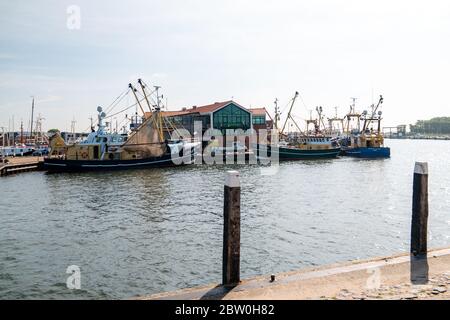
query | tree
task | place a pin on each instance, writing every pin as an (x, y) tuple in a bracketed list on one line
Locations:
[(438, 125), (52, 131)]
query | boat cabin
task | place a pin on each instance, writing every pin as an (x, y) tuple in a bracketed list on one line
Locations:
[(97, 146), (312, 142)]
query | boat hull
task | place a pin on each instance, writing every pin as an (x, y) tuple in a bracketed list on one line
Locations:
[(62, 165), (12, 153), (286, 154), (369, 153)]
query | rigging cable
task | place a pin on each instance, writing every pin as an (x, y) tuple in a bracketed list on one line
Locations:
[(112, 105)]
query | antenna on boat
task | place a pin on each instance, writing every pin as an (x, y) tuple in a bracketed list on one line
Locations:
[(158, 108), (319, 110), (72, 128), (92, 123), (353, 105), (101, 116)]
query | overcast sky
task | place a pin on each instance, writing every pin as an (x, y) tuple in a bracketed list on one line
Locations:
[(206, 51)]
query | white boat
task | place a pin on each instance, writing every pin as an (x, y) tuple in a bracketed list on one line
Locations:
[(17, 150)]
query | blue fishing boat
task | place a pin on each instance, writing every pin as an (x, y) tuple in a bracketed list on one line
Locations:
[(365, 141), (380, 152)]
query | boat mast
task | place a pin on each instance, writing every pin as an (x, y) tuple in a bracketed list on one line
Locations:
[(379, 112), (352, 114), (335, 119), (157, 110), (319, 112), (31, 123), (311, 121), (3, 136), (21, 132), (373, 114), (270, 117), (9, 131), (289, 113), (135, 96), (13, 132), (277, 114), (158, 101), (145, 94), (72, 129)]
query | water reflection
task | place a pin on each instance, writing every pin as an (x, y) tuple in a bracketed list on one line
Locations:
[(144, 231)]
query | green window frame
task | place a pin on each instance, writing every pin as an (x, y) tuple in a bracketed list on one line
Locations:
[(258, 119), (231, 117)]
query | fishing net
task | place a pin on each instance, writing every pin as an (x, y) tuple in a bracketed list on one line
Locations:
[(146, 139)]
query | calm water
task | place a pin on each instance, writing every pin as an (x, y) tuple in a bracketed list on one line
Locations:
[(141, 232)]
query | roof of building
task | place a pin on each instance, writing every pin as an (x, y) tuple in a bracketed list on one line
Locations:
[(167, 113), (201, 109), (209, 108), (258, 111)]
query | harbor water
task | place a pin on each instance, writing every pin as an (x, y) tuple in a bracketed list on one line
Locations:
[(139, 232)]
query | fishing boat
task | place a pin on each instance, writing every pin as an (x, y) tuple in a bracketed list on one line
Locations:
[(306, 149), (16, 150), (299, 145), (366, 141), (23, 147), (146, 146)]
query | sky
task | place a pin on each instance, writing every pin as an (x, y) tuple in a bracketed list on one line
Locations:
[(201, 52)]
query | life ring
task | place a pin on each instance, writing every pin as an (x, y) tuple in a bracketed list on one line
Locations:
[(84, 155)]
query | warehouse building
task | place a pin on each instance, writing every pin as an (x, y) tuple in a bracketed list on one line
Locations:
[(219, 115)]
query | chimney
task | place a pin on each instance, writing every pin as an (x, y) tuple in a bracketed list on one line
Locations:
[(183, 109), (194, 107)]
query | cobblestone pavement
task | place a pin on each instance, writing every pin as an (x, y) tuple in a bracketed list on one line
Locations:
[(438, 288)]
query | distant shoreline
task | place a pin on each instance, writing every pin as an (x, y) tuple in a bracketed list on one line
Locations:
[(419, 138)]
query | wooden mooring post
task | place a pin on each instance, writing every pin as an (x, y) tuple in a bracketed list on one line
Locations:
[(231, 229), (419, 225)]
